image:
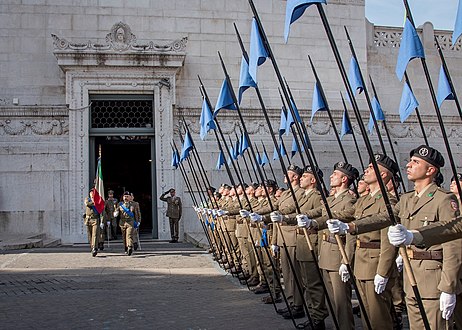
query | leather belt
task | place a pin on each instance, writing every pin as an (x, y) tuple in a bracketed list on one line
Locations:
[(253, 225), (240, 221), (309, 231), (367, 245), (329, 238), (424, 255)]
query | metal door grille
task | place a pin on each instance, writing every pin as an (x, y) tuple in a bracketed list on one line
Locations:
[(121, 113)]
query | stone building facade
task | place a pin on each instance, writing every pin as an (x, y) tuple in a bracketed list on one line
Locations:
[(76, 75)]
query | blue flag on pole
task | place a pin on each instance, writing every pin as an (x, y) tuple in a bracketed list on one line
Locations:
[(318, 101), (295, 147), (458, 25), (257, 155), (283, 124), (354, 77), (346, 125), (290, 120), (258, 52), (408, 103), (206, 120), (294, 10), (225, 99), (175, 159), (244, 144), (187, 146), (245, 80), (220, 161), (444, 89), (264, 159), (281, 150), (378, 113), (410, 48)]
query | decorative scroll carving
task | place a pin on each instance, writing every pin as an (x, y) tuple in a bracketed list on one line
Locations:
[(120, 39)]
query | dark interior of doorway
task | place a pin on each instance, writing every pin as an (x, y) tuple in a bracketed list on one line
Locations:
[(126, 166)]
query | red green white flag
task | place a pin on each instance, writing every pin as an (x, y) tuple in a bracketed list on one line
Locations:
[(98, 195)]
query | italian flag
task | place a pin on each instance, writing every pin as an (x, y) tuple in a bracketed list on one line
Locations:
[(98, 195)]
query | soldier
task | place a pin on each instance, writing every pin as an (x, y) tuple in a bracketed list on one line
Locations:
[(329, 255), (126, 211), (435, 267), (374, 256), (174, 210), (363, 187), (111, 221), (137, 222), (92, 222)]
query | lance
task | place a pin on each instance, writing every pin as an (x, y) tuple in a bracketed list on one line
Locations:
[(240, 176), (232, 250), (448, 75), (389, 139), (297, 281), (269, 162), (370, 152), (371, 110), (250, 159), (352, 132), (437, 108), (289, 184), (194, 200), (263, 169), (250, 207), (292, 128), (368, 100)]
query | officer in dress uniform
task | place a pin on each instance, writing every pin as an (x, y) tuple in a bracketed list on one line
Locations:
[(109, 208), (330, 258), (126, 211), (92, 222), (174, 210), (374, 256)]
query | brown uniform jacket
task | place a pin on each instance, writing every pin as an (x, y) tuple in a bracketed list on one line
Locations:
[(109, 208), (174, 207), (310, 201), (89, 211)]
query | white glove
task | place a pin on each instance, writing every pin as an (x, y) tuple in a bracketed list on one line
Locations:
[(204, 211), (196, 209), (276, 216), (303, 221), (344, 274), (221, 213), (398, 235), (274, 249), (244, 213), (108, 224), (399, 263), (209, 211), (337, 227), (380, 283), (255, 217), (101, 225), (447, 304), (214, 212), (116, 213)]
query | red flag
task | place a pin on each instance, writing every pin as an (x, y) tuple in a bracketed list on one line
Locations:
[(98, 195)]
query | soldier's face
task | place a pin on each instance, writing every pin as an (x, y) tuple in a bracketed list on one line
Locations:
[(369, 173), (418, 168), (307, 180), (111, 195), (453, 187), (336, 178), (250, 191), (362, 187)]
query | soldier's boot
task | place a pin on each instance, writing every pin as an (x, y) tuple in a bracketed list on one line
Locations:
[(130, 251), (297, 313), (135, 246), (94, 252)]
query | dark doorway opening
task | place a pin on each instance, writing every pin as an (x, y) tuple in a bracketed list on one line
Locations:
[(127, 166)]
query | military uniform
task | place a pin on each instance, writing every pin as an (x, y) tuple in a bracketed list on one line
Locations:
[(174, 209), (91, 221), (127, 218), (109, 208), (137, 212)]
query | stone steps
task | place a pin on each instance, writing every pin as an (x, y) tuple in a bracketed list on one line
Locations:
[(31, 241)]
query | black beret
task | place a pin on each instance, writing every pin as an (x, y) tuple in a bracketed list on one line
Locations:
[(309, 169), (212, 189), (254, 185), (243, 185), (110, 191), (459, 177), (347, 169), (428, 154), (439, 179), (386, 162), (126, 193), (294, 168), (270, 183)]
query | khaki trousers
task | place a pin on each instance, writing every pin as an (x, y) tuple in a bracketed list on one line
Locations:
[(378, 306), (432, 309), (313, 292), (340, 296), (290, 287), (92, 232), (127, 232)]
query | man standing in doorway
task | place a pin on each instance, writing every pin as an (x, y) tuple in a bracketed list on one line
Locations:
[(174, 210)]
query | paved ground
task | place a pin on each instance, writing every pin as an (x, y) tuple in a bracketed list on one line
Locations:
[(163, 286)]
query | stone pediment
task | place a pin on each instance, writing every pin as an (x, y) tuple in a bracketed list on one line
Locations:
[(121, 49)]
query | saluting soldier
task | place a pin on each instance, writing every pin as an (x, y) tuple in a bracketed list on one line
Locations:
[(92, 222), (374, 256), (330, 259), (174, 210), (126, 211), (109, 208)]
